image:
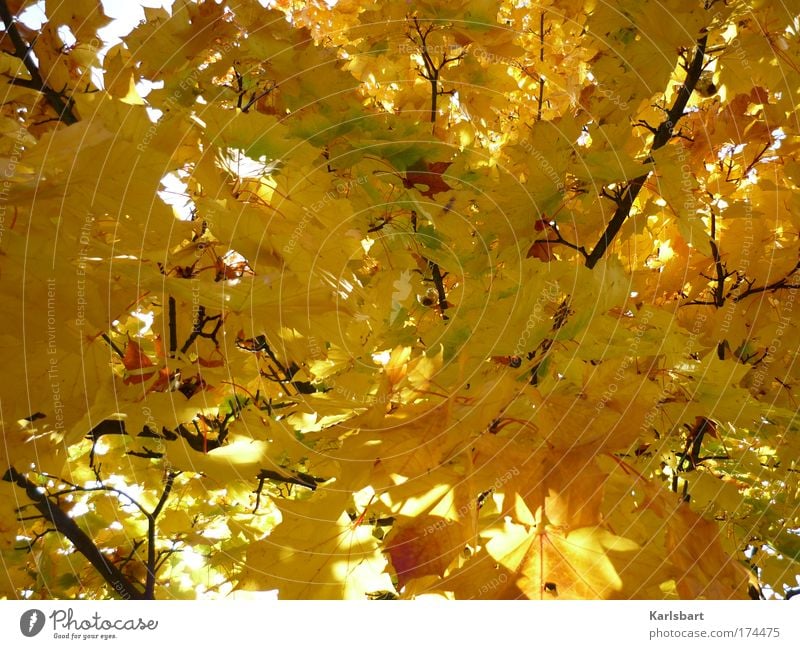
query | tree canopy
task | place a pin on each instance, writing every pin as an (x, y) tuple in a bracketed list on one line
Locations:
[(361, 299)]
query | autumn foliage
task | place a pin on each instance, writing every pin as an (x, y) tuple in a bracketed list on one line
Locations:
[(453, 298)]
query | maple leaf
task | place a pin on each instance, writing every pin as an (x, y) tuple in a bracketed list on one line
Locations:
[(701, 568), (426, 545), (135, 359), (317, 553), (543, 565), (429, 175)]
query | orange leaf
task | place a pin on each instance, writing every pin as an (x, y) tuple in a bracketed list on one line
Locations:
[(163, 380), (425, 545), (542, 250), (208, 363), (136, 359)]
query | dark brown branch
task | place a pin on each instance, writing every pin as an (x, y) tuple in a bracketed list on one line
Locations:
[(150, 584), (561, 240), (782, 283), (69, 528), (113, 345), (434, 96), (22, 51), (757, 159), (431, 74), (198, 442), (198, 329), (137, 543), (163, 555), (241, 92), (645, 124), (541, 59), (146, 454), (173, 327), (379, 226), (719, 280), (77, 489), (700, 303), (288, 372), (690, 457), (432, 70), (663, 134), (257, 492), (438, 282), (74, 488), (28, 547), (150, 516), (254, 97)]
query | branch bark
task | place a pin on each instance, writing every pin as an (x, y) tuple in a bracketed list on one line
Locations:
[(69, 528), (150, 584), (663, 134), (173, 327)]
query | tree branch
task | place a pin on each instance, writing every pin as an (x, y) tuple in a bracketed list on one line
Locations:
[(150, 585), (782, 283), (29, 545), (77, 489), (113, 345), (22, 51), (561, 240), (541, 60), (198, 328), (136, 545), (719, 289), (173, 327), (663, 134), (69, 528), (432, 70), (438, 282)]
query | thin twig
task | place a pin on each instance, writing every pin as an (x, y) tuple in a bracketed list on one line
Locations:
[(782, 283), (431, 71), (561, 240), (541, 59)]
